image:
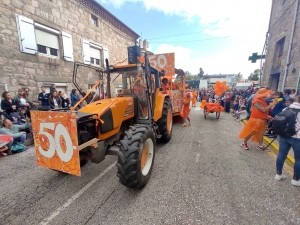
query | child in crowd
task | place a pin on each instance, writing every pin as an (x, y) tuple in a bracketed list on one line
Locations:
[(186, 109), (289, 102), (18, 117), (241, 114)]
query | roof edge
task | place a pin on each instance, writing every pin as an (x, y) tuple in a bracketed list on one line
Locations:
[(99, 10)]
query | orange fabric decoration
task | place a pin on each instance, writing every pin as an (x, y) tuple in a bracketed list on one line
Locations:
[(254, 125)]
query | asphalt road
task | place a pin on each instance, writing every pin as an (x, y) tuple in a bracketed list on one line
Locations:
[(201, 177)]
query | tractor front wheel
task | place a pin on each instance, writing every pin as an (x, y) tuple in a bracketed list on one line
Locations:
[(165, 123), (136, 156)]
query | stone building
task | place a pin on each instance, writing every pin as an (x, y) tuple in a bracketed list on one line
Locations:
[(282, 63), (41, 39)]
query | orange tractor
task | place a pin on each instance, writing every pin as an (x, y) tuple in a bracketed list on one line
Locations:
[(126, 126)]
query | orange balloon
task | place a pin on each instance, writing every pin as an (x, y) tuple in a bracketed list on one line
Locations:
[(218, 83), (224, 82)]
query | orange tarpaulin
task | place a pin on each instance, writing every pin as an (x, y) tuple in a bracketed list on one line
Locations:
[(211, 107)]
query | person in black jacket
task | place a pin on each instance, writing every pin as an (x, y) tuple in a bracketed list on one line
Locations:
[(8, 104), (43, 98), (54, 100)]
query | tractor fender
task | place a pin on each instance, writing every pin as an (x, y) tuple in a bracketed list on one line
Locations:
[(159, 104)]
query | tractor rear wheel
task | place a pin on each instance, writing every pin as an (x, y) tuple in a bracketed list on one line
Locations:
[(136, 156), (165, 123)]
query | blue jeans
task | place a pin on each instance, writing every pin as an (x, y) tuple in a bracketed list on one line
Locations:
[(285, 145), (9, 145), (21, 139)]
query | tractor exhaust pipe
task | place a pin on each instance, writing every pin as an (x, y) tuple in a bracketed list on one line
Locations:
[(108, 79)]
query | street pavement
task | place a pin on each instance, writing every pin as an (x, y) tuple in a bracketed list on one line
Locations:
[(202, 176)]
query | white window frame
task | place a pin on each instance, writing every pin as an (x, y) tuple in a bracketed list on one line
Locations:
[(86, 47), (48, 30), (47, 85), (28, 43)]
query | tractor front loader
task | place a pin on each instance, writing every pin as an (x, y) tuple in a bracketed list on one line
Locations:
[(126, 126)]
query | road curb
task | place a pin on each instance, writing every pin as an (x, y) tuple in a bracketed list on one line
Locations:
[(275, 148)]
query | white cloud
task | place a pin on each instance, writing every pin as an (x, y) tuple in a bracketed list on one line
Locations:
[(229, 62), (245, 21)]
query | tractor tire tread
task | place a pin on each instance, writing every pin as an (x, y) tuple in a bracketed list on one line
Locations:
[(127, 164)]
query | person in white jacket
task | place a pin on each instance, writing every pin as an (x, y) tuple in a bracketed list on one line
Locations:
[(285, 144)]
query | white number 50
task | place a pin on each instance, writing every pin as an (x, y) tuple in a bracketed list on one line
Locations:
[(54, 142)]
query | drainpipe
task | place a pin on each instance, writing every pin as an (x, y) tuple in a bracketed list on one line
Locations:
[(290, 46)]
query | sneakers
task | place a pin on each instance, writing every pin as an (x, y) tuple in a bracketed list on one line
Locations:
[(244, 146), (280, 177), (262, 148), (295, 182)]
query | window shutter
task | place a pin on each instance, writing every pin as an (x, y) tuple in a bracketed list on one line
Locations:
[(68, 47), (26, 34), (86, 58), (105, 55)]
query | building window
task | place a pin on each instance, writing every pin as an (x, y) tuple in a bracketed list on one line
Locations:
[(280, 50), (93, 54), (47, 43), (94, 20), (35, 38)]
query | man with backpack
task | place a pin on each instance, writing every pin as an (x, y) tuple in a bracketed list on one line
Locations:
[(287, 125)]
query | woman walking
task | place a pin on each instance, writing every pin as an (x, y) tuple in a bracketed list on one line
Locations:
[(285, 144)]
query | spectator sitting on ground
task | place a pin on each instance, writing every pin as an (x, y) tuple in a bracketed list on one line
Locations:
[(14, 130), (8, 104), (55, 101), (241, 114), (18, 117), (287, 93), (43, 98)]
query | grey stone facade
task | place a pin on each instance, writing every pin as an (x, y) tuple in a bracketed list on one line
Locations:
[(280, 29), (19, 69)]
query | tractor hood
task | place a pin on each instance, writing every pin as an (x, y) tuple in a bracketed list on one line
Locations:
[(99, 107)]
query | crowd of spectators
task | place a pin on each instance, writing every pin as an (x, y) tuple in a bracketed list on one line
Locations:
[(15, 110)]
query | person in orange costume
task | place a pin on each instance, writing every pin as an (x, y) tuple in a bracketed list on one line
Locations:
[(194, 99), (186, 109), (256, 126)]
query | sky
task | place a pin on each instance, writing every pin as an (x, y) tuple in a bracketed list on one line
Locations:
[(217, 35)]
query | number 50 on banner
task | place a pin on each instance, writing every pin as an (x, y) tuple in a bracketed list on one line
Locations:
[(55, 140)]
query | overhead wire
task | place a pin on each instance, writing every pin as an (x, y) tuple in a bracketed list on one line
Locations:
[(176, 35), (208, 39)]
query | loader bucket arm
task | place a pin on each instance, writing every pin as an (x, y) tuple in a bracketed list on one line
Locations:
[(100, 70)]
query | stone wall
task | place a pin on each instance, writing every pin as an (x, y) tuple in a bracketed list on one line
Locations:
[(281, 27), (19, 69)]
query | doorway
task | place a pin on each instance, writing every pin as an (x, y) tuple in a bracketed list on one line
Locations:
[(274, 81)]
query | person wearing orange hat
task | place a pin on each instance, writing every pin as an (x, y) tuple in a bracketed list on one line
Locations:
[(256, 126), (186, 109)]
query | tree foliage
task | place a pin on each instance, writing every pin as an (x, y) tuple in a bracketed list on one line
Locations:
[(201, 73), (190, 77), (255, 75), (239, 76)]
